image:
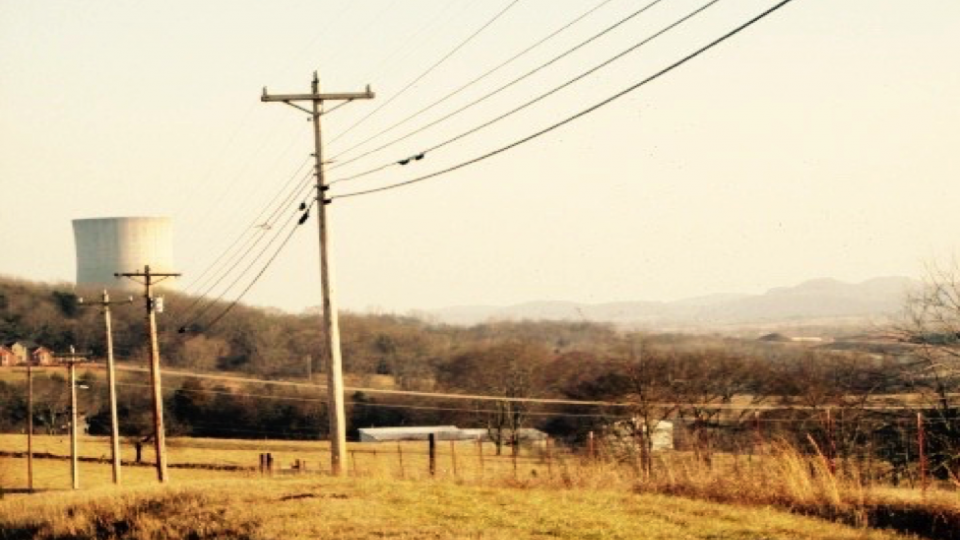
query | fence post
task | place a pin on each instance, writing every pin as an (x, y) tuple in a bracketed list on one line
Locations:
[(549, 453), (831, 443), (432, 442), (453, 456), (591, 451), (515, 451), (400, 455), (261, 466), (922, 454), (270, 464), (480, 454), (756, 423)]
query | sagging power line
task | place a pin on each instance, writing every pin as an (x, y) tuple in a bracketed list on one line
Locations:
[(576, 116)]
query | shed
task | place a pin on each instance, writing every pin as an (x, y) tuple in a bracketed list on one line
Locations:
[(409, 433)]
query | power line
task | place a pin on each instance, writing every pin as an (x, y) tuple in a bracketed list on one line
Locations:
[(463, 87), (484, 397), (252, 242), (303, 218), (428, 70), (394, 58), (545, 95), (578, 115), (263, 270), (256, 221), (365, 403)]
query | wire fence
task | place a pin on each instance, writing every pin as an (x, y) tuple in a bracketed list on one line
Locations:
[(908, 450)]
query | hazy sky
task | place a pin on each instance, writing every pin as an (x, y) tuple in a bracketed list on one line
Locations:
[(823, 142)]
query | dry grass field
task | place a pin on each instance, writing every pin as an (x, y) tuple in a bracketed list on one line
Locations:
[(216, 489), (320, 507)]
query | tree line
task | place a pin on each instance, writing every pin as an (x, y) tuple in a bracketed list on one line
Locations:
[(710, 384)]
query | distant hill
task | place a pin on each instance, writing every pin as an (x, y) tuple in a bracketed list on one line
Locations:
[(817, 299)]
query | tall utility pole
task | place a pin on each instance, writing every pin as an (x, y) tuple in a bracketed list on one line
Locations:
[(159, 438), (331, 326), (30, 424), (112, 386), (71, 360)]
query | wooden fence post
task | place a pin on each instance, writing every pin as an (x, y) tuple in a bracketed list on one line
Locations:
[(549, 442), (515, 451), (480, 455), (453, 456), (831, 443), (591, 450), (270, 464), (400, 455), (922, 454), (756, 424), (432, 440)]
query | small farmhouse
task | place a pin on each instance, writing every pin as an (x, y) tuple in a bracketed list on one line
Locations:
[(7, 357), (24, 352)]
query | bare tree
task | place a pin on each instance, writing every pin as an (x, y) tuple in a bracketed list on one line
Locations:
[(511, 370), (932, 323)]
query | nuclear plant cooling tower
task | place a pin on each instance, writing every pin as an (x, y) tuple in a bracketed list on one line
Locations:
[(106, 246)]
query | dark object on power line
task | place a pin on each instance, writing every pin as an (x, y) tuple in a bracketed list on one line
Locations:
[(419, 156), (404, 161), (303, 219), (303, 206)]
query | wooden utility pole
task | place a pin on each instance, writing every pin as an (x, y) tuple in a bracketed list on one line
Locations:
[(150, 279), (71, 361), (30, 424), (112, 386), (331, 327)]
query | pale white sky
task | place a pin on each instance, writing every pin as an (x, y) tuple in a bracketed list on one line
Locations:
[(822, 142)]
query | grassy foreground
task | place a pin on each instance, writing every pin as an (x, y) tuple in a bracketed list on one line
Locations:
[(323, 507)]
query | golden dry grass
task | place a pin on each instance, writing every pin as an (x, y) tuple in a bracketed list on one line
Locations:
[(782, 477), (327, 508)]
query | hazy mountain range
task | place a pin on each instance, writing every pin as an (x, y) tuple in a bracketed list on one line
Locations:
[(816, 299)]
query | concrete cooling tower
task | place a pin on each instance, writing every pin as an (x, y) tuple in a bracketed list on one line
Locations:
[(122, 244)]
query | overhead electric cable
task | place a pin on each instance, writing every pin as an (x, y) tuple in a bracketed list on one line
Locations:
[(430, 69), (203, 311), (234, 261), (463, 87), (540, 97), (578, 115), (486, 397), (256, 221), (363, 403), (263, 270), (393, 57)]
